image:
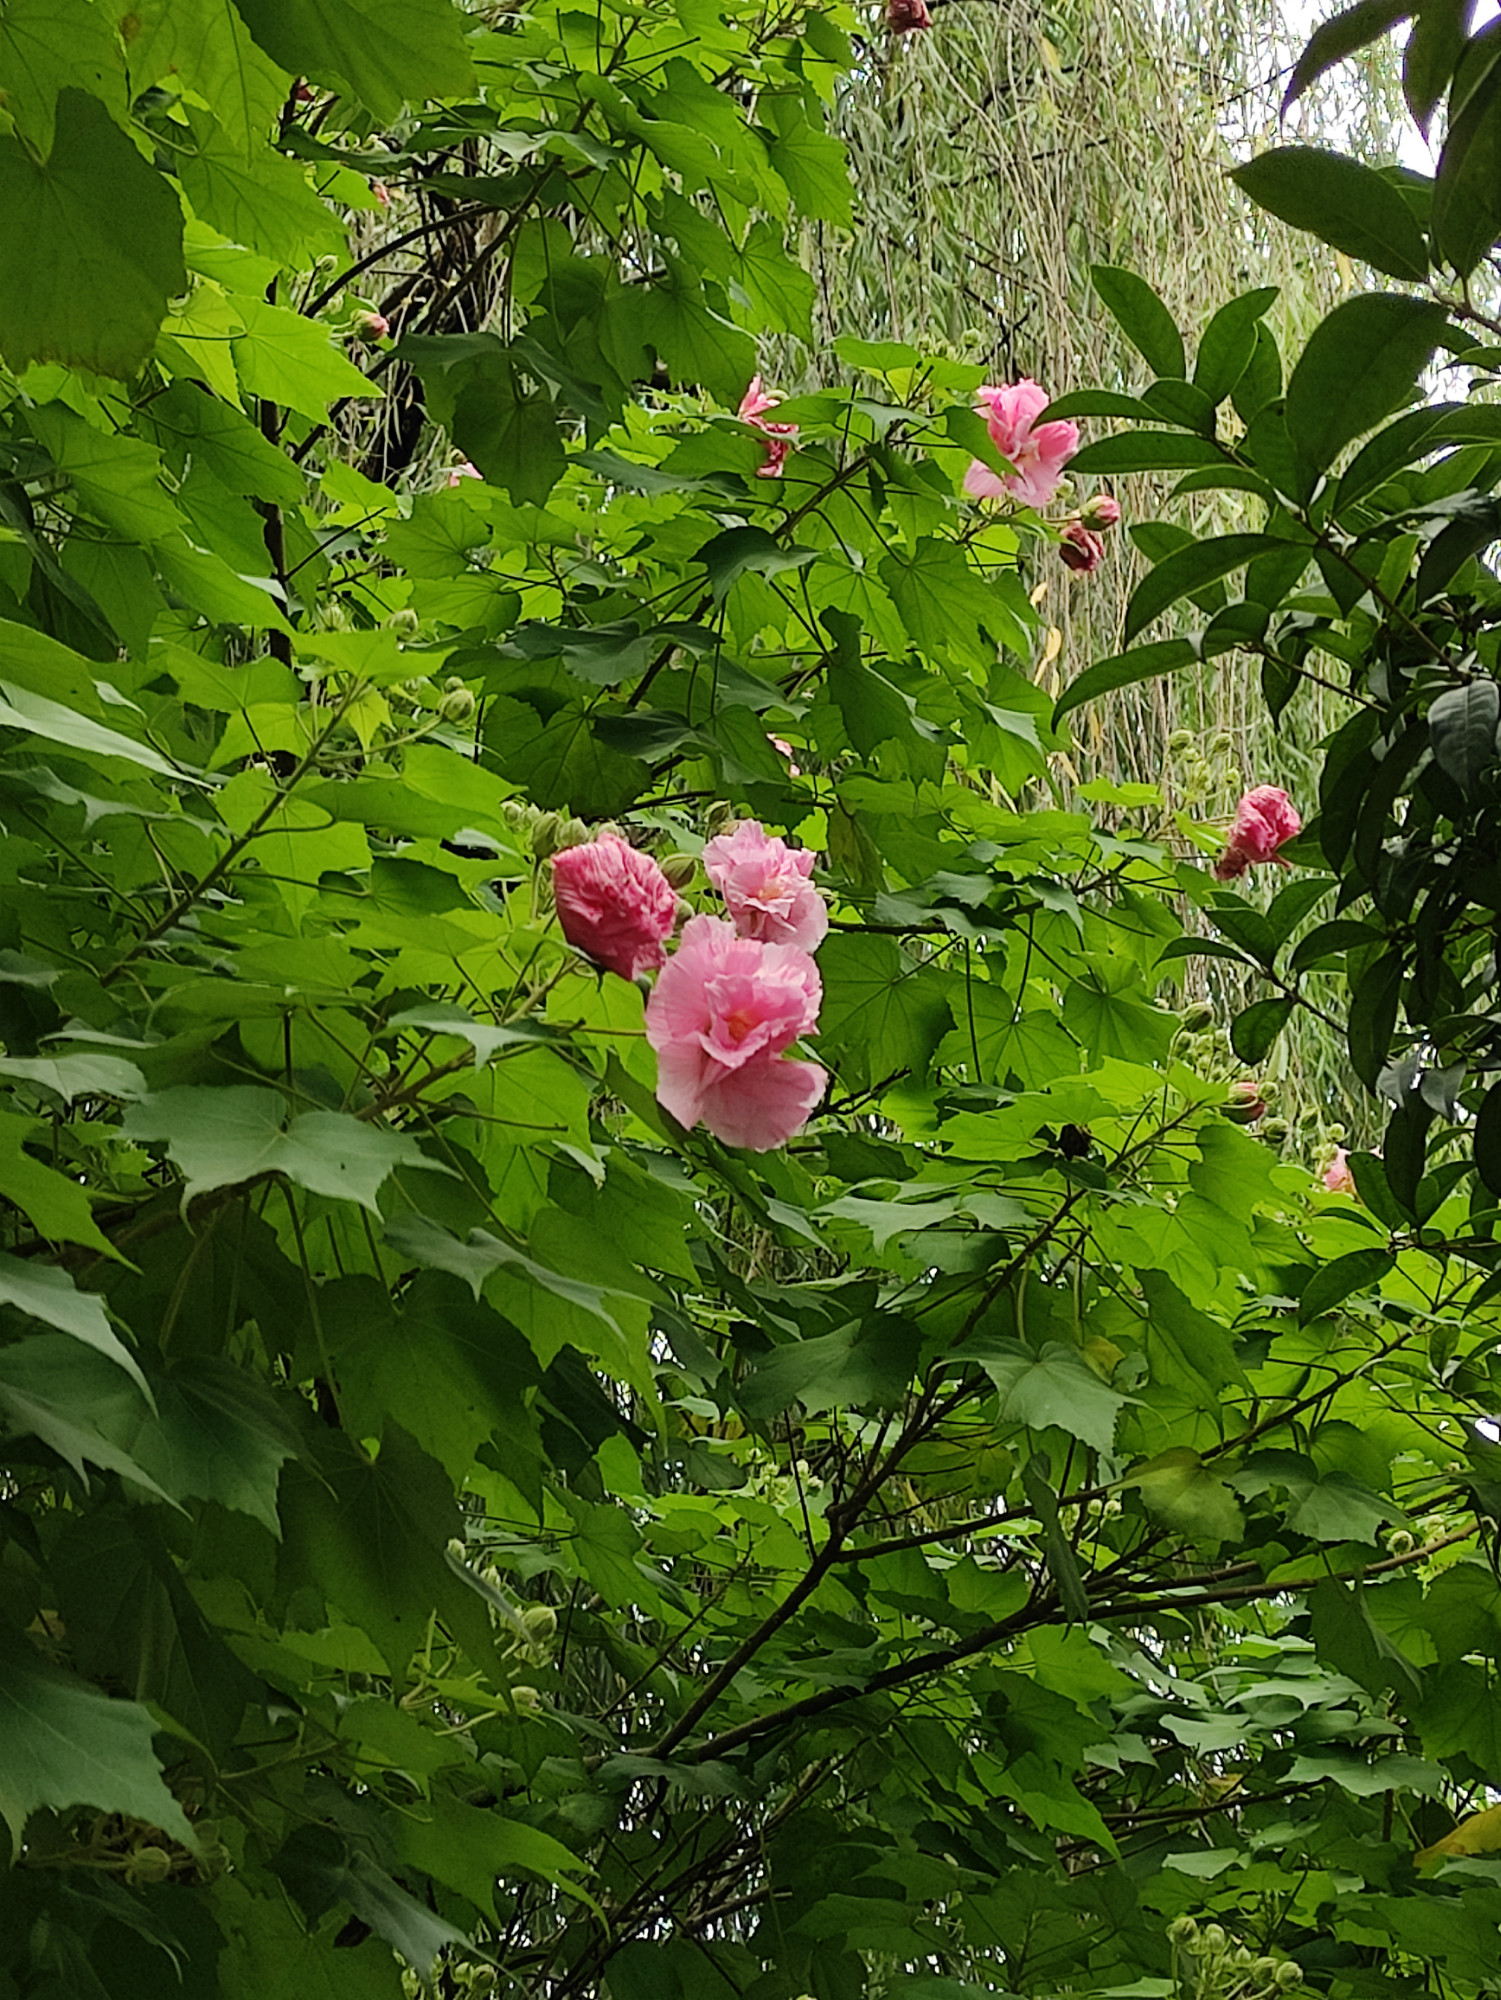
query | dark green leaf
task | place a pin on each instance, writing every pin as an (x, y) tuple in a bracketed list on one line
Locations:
[(388, 52), (1142, 317), (1149, 451), (1433, 50), (1373, 1016), (1253, 1032), (1462, 727), (1141, 663), (1332, 1283), (737, 552), (1349, 205), (1359, 364), (1189, 569), (1342, 35), (1228, 344)]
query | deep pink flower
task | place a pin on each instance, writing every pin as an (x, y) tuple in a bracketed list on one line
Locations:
[(753, 407), (902, 16), (1081, 549), (1265, 820), (1038, 455), (1101, 512), (614, 904), (719, 1019), (765, 886), (1246, 1103), (1337, 1176)]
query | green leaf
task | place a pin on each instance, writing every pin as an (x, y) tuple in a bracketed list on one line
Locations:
[(1348, 205), (261, 200), (36, 716), (46, 45), (512, 435), (1055, 1389), (1191, 568), (737, 552), (321, 1870), (1462, 728), (292, 360), (113, 232), (1254, 1030), (1487, 1140), (56, 1206), (1228, 344), (1333, 1283), (1343, 35), (1149, 451), (1434, 46), (206, 45), (76, 1401), (1358, 365), (221, 1137), (1142, 317), (1373, 1016), (882, 1014), (117, 479), (387, 52), (218, 1434), (63, 1744), (1179, 1489), (468, 1849), (1141, 663), (1466, 202), (49, 1295)]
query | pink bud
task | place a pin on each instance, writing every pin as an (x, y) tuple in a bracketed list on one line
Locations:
[(372, 325), (464, 471), (1081, 549), (301, 93), (902, 16), (1246, 1103), (1337, 1176), (614, 904), (381, 192), (1101, 512), (794, 769), (1265, 820)]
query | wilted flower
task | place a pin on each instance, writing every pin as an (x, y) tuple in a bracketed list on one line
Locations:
[(753, 407), (719, 1018), (765, 886), (1265, 820), (1101, 512), (614, 904), (902, 16), (1038, 455), (1337, 1176), (1081, 549)]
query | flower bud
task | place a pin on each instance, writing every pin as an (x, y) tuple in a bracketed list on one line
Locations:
[(1181, 739), (1264, 1969), (372, 325), (718, 816), (457, 705), (516, 815), (527, 1700), (1247, 1103), (1400, 1543), (1289, 1975), (1182, 1930), (1276, 1130), (1214, 1937), (680, 869), (148, 1864), (404, 622), (1081, 549), (1101, 512), (541, 1621), (547, 835), (1198, 1017)]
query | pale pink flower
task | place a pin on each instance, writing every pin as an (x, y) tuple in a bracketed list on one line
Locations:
[(719, 1019), (1101, 512), (464, 471), (765, 886), (794, 769), (1265, 820), (614, 904), (381, 192), (1038, 455), (753, 407), (902, 16), (1081, 549), (1337, 1176)]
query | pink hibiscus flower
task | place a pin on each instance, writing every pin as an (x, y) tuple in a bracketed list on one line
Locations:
[(765, 886), (614, 904), (1265, 820), (1039, 454)]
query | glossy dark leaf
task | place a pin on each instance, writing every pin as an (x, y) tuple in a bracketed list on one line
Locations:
[(1359, 364), (1344, 34), (1462, 727), (1350, 206), (1142, 317), (1253, 1032), (1333, 1283)]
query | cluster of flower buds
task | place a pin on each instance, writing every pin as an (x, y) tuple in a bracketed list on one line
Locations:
[(738, 991), (1083, 546)]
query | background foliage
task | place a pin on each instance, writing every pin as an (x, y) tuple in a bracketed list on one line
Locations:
[(461, 1529)]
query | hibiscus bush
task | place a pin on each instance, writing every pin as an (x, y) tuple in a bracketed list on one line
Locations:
[(652, 1343)]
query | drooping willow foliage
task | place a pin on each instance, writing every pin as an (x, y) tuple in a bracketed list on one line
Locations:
[(999, 156)]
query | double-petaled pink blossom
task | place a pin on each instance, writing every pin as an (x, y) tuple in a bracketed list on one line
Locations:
[(614, 904), (1038, 452), (720, 1018), (765, 886), (753, 407), (1265, 820)]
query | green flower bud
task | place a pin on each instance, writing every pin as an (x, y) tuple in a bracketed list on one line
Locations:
[(1275, 1129), (680, 869), (718, 817), (1289, 1975), (1400, 1543), (1214, 1937), (547, 836), (1198, 1017), (1182, 1930), (527, 1700), (457, 705), (1180, 740), (1264, 1969), (516, 815), (541, 1621), (148, 1864), (405, 622), (576, 833)]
